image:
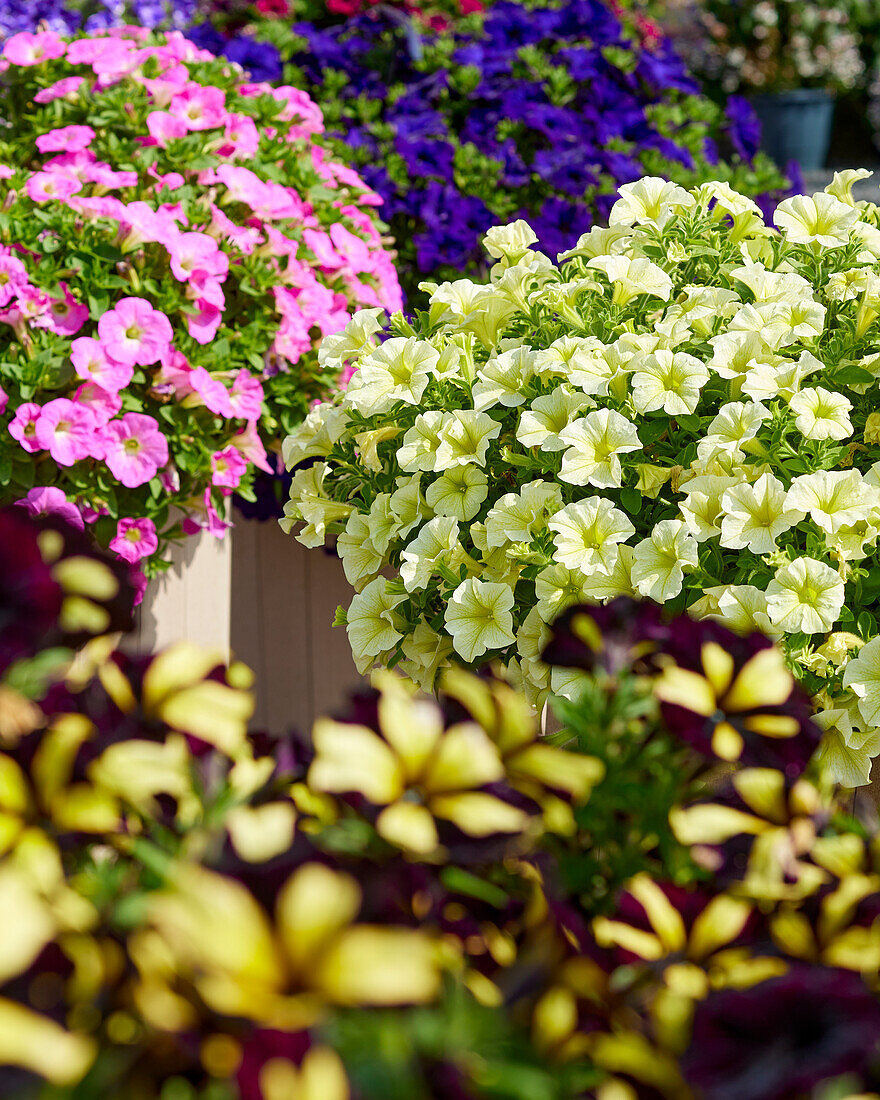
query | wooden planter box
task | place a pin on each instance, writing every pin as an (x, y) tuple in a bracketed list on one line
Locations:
[(260, 596)]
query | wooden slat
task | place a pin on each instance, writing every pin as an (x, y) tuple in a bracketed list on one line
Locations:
[(334, 674)]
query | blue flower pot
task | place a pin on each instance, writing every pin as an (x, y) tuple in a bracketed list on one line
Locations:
[(796, 125)]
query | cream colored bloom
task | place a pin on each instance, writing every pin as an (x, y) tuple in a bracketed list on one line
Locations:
[(649, 201), (361, 560), (755, 515), (822, 414), (743, 608), (419, 448), (339, 348), (382, 523), (503, 379), (324, 425), (701, 508), (464, 438), (773, 286), (842, 183), (631, 277), (770, 320), (726, 200), (540, 424), (510, 242), (478, 616), (778, 377), (734, 353), (818, 219), (594, 443), (557, 588), (599, 241), (517, 517), (805, 596), (837, 760), (670, 381), (372, 624), (588, 533), (600, 588), (398, 370), (832, 498), (407, 504), (862, 677), (735, 424), (436, 543), (458, 492), (659, 561), (426, 652), (471, 307)]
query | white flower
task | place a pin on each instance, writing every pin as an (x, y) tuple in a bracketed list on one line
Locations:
[(464, 438), (743, 608), (587, 535), (755, 515), (594, 443), (510, 242), (339, 348), (770, 320), (419, 448), (736, 423), (478, 617), (862, 677), (407, 504), (733, 353), (660, 560), (599, 241), (557, 588), (701, 508), (517, 517), (837, 759), (806, 596), (382, 522), (832, 498), (780, 377), (361, 561), (398, 370), (372, 625), (649, 201), (503, 379), (470, 307), (459, 492), (820, 219), (631, 277), (324, 425), (842, 183), (822, 414), (670, 381), (540, 424), (436, 542), (773, 286)]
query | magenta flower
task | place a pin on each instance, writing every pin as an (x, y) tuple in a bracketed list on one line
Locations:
[(191, 252), (65, 88), (24, 424), (246, 396), (66, 139), (228, 467), (211, 390), (135, 539), (135, 333), (13, 274), (4, 400), (165, 127), (210, 521), (91, 363), (32, 49), (251, 446), (46, 500), (103, 405), (202, 326), (135, 449), (66, 430), (66, 315), (199, 107), (45, 186)]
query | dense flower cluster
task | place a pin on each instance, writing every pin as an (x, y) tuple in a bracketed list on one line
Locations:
[(428, 899), (682, 409), (174, 242), (527, 111), (70, 16)]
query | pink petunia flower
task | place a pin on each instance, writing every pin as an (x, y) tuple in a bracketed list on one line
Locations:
[(45, 186), (228, 467), (23, 426), (251, 446), (200, 107), (90, 362), (66, 88), (246, 396), (103, 405), (66, 139), (134, 333), (135, 449), (241, 139), (13, 274), (4, 400), (211, 390), (135, 539), (66, 315), (66, 430), (32, 49), (165, 127), (209, 521), (202, 326), (192, 252), (46, 500)]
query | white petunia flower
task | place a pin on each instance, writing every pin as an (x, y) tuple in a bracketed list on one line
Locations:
[(735, 424), (770, 320), (478, 617), (701, 508), (806, 596), (649, 201), (670, 381), (373, 627), (832, 498), (382, 522), (398, 370), (734, 353), (862, 677), (659, 561), (338, 348), (361, 561), (773, 286), (816, 219), (540, 424), (557, 588), (407, 504), (503, 379), (471, 307), (822, 414), (755, 515), (631, 277), (599, 588), (464, 438), (743, 608), (425, 652), (836, 757), (419, 448), (842, 183), (517, 517), (437, 542), (588, 533), (510, 242), (458, 492), (779, 377), (594, 443), (315, 437), (599, 241)]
